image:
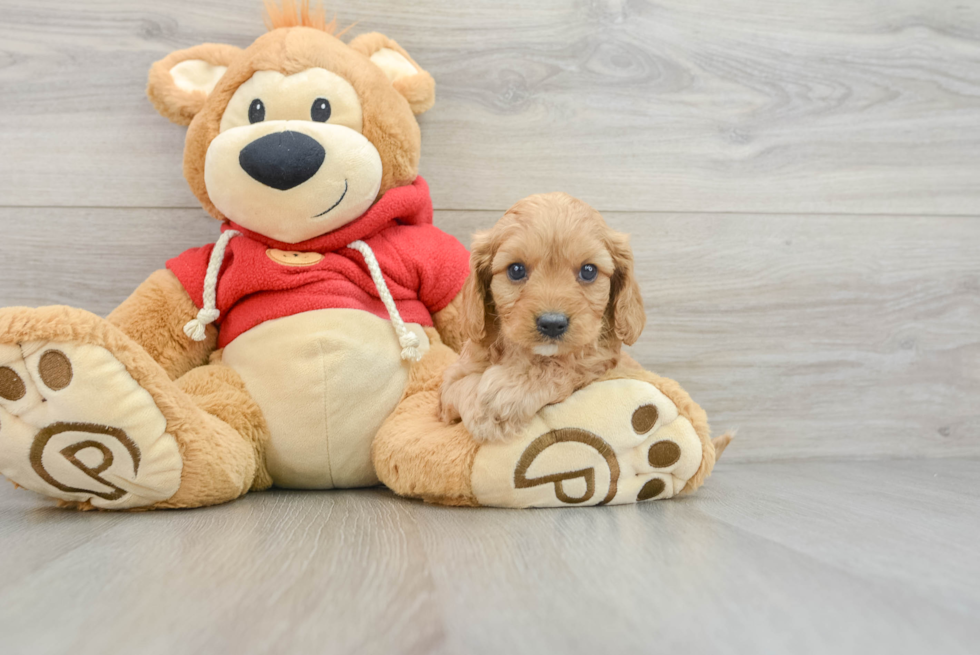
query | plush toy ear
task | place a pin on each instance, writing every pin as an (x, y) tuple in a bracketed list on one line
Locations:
[(180, 82), (408, 78)]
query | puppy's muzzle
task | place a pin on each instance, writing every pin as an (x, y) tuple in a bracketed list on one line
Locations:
[(282, 160), (552, 325)]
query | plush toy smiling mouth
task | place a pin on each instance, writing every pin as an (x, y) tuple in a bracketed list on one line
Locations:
[(333, 206), (284, 160)]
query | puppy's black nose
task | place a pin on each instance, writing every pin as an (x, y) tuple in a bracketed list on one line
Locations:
[(552, 325), (282, 160)]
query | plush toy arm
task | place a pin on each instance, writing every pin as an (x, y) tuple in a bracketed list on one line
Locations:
[(154, 317), (449, 325), (441, 265)]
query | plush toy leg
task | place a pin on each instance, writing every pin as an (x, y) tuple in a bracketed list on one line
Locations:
[(89, 418), (415, 454), (223, 464), (629, 437)]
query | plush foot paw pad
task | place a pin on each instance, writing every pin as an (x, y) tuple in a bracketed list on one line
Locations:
[(75, 425), (614, 442)]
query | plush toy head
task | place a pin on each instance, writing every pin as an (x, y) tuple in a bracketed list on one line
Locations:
[(299, 133)]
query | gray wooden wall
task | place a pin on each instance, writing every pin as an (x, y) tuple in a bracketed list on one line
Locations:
[(801, 180)]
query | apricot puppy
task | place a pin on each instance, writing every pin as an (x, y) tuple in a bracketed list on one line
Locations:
[(550, 299)]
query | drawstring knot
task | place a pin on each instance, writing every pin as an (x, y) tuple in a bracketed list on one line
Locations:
[(408, 340), (410, 346), (195, 327)]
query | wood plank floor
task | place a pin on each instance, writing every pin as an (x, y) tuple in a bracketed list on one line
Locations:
[(778, 557), (739, 105)]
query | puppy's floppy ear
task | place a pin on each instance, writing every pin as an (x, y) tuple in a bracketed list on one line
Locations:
[(180, 83), (408, 78), (478, 312), (624, 315)]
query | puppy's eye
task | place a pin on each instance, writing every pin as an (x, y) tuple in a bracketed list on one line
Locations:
[(256, 111), (516, 272), (588, 273), (320, 111)]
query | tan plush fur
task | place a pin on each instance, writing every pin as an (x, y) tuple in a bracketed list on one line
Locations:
[(503, 377), (417, 455), (219, 391), (721, 443), (289, 13), (154, 316), (450, 325)]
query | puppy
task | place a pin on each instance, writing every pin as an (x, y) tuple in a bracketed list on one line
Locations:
[(550, 299)]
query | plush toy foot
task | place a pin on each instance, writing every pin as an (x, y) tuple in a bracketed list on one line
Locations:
[(86, 416), (74, 425), (614, 442), (629, 437)]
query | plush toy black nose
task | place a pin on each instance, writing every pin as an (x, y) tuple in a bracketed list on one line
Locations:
[(552, 325), (282, 160)]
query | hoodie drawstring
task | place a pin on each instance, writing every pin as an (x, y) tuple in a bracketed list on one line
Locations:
[(195, 328), (408, 340), (209, 313)]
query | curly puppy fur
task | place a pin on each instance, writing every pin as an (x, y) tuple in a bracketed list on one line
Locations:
[(508, 368)]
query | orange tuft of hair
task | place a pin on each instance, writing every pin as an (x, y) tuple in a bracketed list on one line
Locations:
[(290, 13)]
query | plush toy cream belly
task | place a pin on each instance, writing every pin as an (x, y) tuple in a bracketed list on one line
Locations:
[(325, 381)]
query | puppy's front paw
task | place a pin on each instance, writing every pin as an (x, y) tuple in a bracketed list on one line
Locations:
[(510, 427), (482, 427), (448, 412), (458, 399), (491, 425)]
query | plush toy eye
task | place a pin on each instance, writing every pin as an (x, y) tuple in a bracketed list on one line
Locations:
[(516, 272), (256, 111), (588, 273), (320, 111)]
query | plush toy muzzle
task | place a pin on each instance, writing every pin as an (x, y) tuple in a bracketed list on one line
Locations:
[(292, 180)]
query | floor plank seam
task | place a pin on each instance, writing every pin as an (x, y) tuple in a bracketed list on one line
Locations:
[(500, 210), (839, 458)]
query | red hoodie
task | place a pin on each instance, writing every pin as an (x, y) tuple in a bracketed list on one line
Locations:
[(424, 267)]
